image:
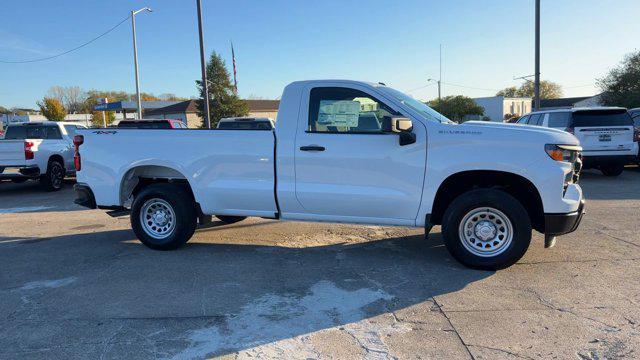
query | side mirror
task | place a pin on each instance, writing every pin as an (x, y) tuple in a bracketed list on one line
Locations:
[(403, 127), (401, 124)]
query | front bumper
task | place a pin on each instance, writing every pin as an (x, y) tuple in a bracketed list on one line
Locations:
[(19, 172), (84, 196), (560, 224)]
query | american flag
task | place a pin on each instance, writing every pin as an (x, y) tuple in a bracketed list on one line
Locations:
[(233, 57)]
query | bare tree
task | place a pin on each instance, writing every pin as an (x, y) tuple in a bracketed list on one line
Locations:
[(72, 97)]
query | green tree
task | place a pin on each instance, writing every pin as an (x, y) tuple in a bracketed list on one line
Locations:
[(621, 86), (456, 107), (548, 90), (4, 110), (96, 118), (52, 109), (223, 101)]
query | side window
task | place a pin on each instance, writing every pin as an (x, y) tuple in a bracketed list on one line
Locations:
[(559, 119), (71, 130), (535, 119), (523, 120), (343, 110), (52, 132)]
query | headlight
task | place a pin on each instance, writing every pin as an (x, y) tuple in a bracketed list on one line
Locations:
[(566, 153)]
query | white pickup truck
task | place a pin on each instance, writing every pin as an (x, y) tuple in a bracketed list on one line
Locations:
[(38, 150), (347, 152)]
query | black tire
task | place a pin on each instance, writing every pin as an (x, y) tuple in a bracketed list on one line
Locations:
[(180, 202), (53, 178), (612, 169), (464, 205), (230, 219)]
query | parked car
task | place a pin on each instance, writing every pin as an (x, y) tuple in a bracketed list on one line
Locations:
[(38, 151), (151, 124), (606, 134), (246, 123), (487, 184), (635, 115)]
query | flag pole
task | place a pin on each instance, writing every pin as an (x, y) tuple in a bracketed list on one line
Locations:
[(233, 58)]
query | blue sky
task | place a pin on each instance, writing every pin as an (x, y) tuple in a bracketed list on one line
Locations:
[(485, 44)]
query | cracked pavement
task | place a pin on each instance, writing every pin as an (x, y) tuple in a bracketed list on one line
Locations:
[(77, 284)]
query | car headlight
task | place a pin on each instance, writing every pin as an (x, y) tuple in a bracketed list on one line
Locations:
[(566, 153)]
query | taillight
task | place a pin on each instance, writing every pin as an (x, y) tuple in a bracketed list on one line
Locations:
[(77, 161), (28, 153), (636, 134)]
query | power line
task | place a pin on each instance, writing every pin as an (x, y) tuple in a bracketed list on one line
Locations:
[(470, 87), (420, 87), (68, 51)]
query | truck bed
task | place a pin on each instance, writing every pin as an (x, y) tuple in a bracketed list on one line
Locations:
[(12, 153), (233, 170)]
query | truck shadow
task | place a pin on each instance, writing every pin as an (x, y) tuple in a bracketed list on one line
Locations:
[(212, 299)]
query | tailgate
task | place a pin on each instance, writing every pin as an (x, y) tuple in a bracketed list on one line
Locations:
[(613, 138), (604, 129), (12, 153)]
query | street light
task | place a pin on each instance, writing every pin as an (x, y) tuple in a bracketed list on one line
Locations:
[(135, 56)]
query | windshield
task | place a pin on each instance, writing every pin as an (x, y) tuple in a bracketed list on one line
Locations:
[(416, 105)]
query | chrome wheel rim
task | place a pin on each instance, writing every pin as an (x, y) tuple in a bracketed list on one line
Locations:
[(486, 232), (157, 218), (57, 175)]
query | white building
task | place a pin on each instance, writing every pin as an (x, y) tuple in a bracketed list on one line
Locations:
[(496, 107)]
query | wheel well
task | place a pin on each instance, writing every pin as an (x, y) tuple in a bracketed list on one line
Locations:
[(515, 185), (57, 158), (136, 179)]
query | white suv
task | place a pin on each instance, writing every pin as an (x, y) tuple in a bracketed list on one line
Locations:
[(606, 134)]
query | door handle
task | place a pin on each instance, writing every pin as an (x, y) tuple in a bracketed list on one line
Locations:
[(312, 148)]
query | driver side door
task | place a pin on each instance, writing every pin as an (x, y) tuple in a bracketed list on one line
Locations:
[(349, 166)]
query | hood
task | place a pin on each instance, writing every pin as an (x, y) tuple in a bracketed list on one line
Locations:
[(542, 133)]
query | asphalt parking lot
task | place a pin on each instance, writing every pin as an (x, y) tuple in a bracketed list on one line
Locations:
[(77, 284)]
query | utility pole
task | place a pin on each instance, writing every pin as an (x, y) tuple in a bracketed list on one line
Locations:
[(439, 81), (135, 56), (203, 65), (440, 78), (536, 84)]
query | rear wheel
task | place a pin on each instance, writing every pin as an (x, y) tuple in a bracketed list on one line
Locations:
[(52, 179), (612, 169), (230, 219), (163, 216), (486, 229)]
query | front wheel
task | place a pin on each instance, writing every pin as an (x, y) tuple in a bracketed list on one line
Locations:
[(163, 216), (486, 229), (612, 169)]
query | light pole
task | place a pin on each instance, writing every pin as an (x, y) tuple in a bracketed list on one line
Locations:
[(203, 65), (536, 84), (135, 56)]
